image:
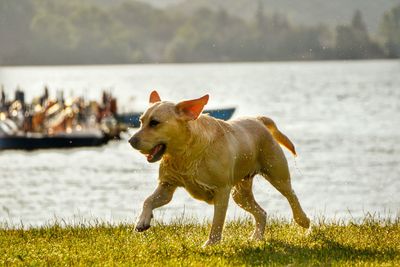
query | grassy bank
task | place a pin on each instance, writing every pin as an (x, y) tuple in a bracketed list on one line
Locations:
[(371, 242)]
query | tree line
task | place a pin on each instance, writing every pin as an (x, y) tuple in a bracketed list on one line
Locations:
[(48, 32)]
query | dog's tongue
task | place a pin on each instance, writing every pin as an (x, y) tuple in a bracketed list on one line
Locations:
[(153, 152)]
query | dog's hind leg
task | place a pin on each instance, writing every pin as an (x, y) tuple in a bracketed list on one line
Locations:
[(278, 175), (243, 196)]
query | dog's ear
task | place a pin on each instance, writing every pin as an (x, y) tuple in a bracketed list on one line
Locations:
[(191, 109), (154, 97)]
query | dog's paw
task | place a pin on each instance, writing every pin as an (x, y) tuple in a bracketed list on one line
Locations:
[(303, 222), (142, 227), (211, 242), (257, 236), (144, 222)]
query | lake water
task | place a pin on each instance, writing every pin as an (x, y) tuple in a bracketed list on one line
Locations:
[(344, 118)]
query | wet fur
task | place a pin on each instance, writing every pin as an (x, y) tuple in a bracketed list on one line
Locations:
[(212, 159)]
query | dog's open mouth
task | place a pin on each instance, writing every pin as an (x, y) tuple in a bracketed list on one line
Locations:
[(156, 153)]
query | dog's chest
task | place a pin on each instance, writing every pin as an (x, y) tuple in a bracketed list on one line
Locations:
[(195, 187), (190, 179), (199, 190), (192, 184)]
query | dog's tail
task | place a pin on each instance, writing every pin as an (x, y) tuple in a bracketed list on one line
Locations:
[(278, 135)]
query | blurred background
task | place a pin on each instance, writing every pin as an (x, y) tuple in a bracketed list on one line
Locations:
[(76, 73), (46, 32)]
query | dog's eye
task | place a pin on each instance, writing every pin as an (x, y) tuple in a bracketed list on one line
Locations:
[(153, 123)]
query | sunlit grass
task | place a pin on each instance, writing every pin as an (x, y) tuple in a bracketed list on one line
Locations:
[(368, 242)]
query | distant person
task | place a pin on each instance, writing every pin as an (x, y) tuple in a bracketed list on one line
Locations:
[(44, 97), (2, 99)]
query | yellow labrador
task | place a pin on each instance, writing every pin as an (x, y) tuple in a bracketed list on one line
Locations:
[(211, 158)]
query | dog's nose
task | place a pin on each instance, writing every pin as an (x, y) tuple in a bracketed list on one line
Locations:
[(134, 141)]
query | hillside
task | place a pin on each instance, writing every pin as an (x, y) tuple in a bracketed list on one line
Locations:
[(309, 12), (46, 32)]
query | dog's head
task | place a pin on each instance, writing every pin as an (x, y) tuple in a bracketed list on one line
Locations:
[(164, 126)]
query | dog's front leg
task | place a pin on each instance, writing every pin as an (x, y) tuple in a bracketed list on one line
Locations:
[(161, 196), (221, 199)]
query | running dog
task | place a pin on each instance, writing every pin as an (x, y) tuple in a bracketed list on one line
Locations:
[(211, 159)]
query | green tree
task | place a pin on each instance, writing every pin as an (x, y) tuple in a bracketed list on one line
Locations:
[(149, 29), (260, 16), (353, 41), (15, 34), (358, 23), (390, 30), (208, 36), (73, 32), (88, 32)]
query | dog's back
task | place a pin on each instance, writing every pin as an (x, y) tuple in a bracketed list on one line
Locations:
[(246, 129), (240, 147)]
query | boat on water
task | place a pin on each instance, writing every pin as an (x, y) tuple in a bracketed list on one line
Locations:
[(56, 123), (12, 138), (60, 122), (132, 119), (37, 141)]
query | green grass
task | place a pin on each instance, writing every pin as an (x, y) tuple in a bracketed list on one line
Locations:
[(370, 242)]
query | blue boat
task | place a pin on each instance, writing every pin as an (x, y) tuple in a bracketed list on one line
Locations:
[(133, 119)]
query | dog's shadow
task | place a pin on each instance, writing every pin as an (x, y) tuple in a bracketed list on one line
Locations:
[(328, 252)]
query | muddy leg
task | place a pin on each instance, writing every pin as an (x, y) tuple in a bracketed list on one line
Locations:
[(243, 196)]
